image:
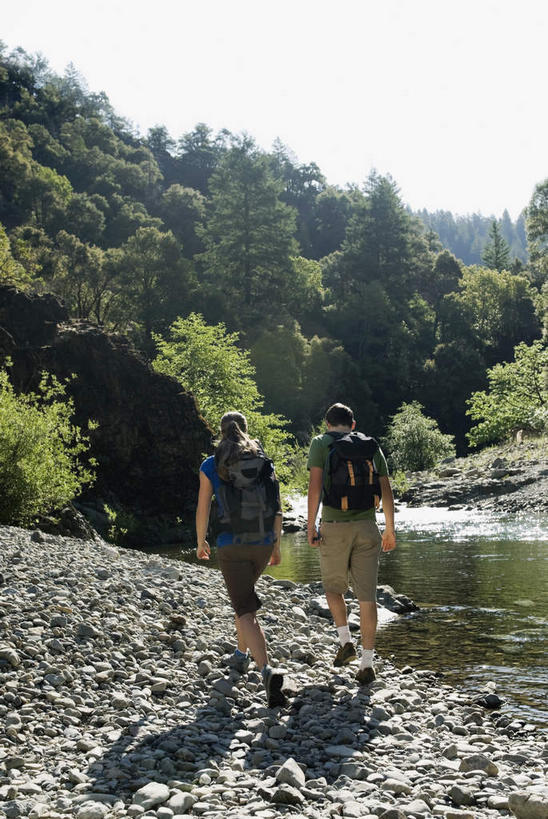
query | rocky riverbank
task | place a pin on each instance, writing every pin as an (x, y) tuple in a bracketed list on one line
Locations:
[(509, 478), (116, 700)]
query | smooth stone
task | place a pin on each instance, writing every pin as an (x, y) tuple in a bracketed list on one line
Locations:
[(528, 805), (354, 809), (182, 802), (155, 793), (10, 655), (92, 810), (478, 762), (341, 750), (461, 796), (417, 806), (291, 773), (287, 795), (396, 786)]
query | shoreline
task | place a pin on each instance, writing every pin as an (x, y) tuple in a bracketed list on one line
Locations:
[(117, 702)]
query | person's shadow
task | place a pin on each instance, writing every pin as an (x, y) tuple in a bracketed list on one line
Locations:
[(322, 728)]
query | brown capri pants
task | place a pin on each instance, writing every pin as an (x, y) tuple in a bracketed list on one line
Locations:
[(242, 565), (350, 548)]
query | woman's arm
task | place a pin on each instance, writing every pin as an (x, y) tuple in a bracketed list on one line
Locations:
[(276, 558), (202, 517)]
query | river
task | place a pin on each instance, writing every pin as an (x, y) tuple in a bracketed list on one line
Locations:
[(481, 581)]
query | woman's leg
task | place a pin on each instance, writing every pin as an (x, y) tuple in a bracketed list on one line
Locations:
[(252, 637), (241, 566), (242, 645)]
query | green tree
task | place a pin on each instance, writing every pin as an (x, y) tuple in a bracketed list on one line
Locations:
[(383, 241), (517, 396), (248, 237), (84, 218), (41, 452), (332, 210), (497, 310), (207, 361), (302, 184), (182, 209), (537, 233), (81, 278), (496, 253), (12, 272), (198, 155), (162, 147), (155, 282), (414, 441)]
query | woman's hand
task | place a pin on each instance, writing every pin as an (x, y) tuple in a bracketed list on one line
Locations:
[(203, 551), (276, 557)]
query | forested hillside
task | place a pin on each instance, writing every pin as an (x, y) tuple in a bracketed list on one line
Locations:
[(337, 294), (468, 236)]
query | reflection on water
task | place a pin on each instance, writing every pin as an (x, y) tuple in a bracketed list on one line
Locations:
[(482, 584)]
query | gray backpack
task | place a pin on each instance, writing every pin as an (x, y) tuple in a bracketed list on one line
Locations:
[(249, 499)]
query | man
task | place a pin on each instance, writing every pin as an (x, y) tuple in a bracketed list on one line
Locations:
[(349, 539)]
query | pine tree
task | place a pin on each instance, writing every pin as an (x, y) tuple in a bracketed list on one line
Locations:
[(496, 253), (248, 237)]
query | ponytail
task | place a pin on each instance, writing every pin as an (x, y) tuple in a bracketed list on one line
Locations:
[(234, 442)]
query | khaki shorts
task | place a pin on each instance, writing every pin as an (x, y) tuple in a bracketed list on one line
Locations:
[(242, 565), (350, 548)]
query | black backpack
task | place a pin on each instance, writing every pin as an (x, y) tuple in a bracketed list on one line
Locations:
[(249, 498), (350, 479)]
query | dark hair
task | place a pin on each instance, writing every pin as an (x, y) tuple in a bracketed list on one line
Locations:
[(339, 415), (234, 442)]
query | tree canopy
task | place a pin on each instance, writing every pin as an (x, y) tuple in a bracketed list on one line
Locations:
[(335, 293)]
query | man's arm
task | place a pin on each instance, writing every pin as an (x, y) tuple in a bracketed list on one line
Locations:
[(389, 534), (315, 484), (202, 517)]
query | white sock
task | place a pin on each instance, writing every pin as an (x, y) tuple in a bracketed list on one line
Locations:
[(366, 660), (344, 634)]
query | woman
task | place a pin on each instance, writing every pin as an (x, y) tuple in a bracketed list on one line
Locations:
[(242, 555)]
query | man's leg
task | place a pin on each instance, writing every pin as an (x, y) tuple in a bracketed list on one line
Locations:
[(363, 569), (334, 557), (337, 607), (368, 624)]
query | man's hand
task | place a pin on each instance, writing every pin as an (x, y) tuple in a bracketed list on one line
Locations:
[(388, 540), (314, 538), (315, 483), (203, 551), (276, 557)]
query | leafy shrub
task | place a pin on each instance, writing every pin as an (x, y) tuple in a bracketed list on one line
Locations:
[(517, 397), (40, 449), (207, 361), (414, 442)]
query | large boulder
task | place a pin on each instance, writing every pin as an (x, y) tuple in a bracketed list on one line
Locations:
[(149, 438)]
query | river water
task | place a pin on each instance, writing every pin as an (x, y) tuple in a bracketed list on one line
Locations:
[(481, 581)]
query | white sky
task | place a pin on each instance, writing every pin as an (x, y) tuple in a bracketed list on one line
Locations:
[(449, 98)]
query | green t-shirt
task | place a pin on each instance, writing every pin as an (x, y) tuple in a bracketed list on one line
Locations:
[(317, 456)]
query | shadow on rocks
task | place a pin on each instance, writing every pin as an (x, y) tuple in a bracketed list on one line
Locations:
[(324, 728)]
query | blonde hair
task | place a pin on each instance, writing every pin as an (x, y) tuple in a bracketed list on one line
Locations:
[(234, 442)]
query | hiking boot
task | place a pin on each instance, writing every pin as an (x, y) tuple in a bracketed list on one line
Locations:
[(273, 682), (345, 655), (366, 676), (239, 664)]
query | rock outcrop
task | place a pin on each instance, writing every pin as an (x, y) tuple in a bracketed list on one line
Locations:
[(149, 438), (506, 479)]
